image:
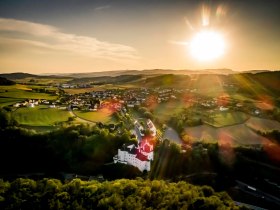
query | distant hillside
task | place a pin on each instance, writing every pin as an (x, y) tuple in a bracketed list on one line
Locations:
[(107, 79), (150, 72), (258, 85), (256, 71), (270, 80), (169, 80), (4, 81), (18, 75)]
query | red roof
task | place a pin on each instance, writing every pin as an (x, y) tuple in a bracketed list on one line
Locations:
[(146, 145), (147, 148), (141, 157)]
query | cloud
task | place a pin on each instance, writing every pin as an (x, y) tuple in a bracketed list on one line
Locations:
[(102, 7), (49, 37)]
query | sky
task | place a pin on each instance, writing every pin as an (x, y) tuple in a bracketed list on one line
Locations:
[(66, 36)]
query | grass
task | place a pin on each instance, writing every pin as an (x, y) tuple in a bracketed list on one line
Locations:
[(40, 116), (8, 101), (262, 124), (23, 92), (79, 90), (98, 88), (165, 111), (241, 97), (44, 81), (233, 135), (103, 115), (222, 119)]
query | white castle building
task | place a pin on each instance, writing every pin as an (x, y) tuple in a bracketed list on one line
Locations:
[(139, 155)]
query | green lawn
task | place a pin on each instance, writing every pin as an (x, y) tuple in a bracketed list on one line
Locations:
[(23, 92), (221, 119), (103, 115), (40, 116)]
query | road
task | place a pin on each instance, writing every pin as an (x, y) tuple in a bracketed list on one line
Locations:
[(257, 192)]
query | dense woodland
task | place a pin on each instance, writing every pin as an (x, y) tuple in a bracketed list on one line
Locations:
[(119, 194)]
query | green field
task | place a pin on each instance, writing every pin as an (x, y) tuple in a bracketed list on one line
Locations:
[(23, 92), (227, 118), (45, 81), (165, 111), (40, 116), (79, 90), (103, 115), (262, 124), (233, 135), (8, 101)]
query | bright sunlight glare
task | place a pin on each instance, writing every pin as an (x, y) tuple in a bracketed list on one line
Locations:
[(207, 46)]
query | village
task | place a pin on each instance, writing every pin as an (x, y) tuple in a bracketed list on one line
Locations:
[(117, 99)]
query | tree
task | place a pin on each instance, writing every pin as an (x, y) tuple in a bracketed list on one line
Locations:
[(5, 118), (148, 115)]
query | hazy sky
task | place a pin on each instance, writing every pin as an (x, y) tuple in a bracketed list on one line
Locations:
[(40, 36)]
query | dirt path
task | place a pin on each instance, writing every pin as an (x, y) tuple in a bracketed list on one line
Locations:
[(80, 119)]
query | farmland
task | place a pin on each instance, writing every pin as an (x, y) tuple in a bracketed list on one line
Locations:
[(79, 90), (164, 111), (42, 80), (23, 92), (221, 119), (40, 116), (233, 135), (9, 101), (262, 124), (103, 115)]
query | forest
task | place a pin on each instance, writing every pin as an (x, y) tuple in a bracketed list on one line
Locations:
[(119, 194)]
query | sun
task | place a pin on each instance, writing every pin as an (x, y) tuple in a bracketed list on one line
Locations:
[(207, 46)]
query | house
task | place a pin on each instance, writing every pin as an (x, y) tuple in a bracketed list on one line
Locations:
[(151, 127), (257, 112), (65, 86), (222, 109), (139, 155), (17, 105), (31, 105), (239, 105)]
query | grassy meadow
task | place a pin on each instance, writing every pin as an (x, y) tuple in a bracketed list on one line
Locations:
[(227, 118), (9, 101), (103, 115), (233, 135), (40, 116), (42, 81), (165, 111), (23, 92)]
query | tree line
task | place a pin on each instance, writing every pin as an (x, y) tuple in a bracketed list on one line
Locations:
[(118, 194)]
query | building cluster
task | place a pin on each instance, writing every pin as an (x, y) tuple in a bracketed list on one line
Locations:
[(34, 102), (118, 98)]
